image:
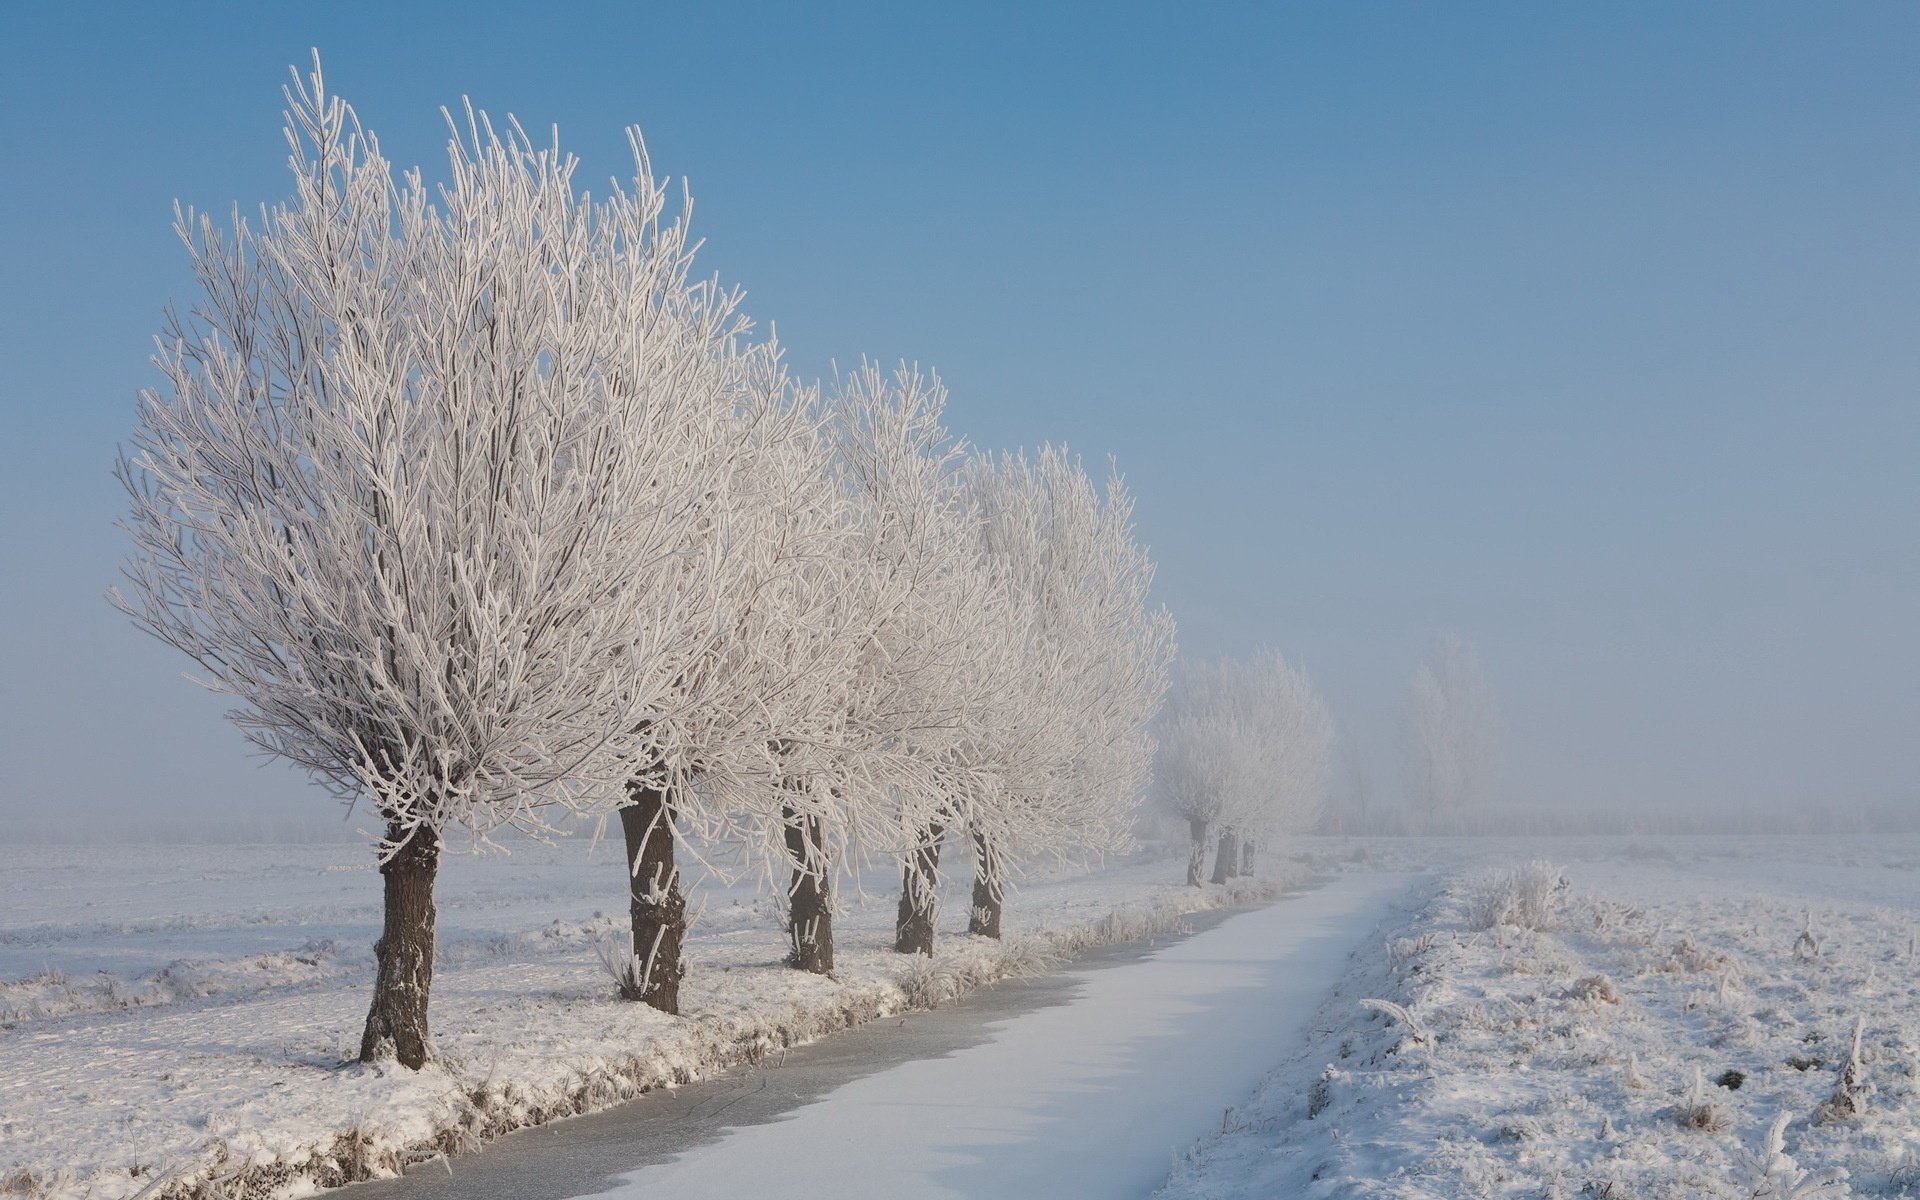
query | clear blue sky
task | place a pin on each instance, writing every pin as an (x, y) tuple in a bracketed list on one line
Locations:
[(1588, 331)]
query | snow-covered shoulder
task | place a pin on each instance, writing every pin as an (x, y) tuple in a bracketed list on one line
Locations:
[(1707, 1023), (188, 1027)]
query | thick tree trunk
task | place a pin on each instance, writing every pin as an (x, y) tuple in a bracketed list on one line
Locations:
[(1197, 856), (985, 918), (397, 1021), (809, 899), (1246, 857), (654, 900), (919, 894), (1226, 858)]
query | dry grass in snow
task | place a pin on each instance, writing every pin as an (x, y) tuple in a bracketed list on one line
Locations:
[(1638, 1034)]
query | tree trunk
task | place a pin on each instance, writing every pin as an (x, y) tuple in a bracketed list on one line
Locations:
[(657, 905), (919, 895), (987, 887), (1197, 856), (397, 1021), (1226, 858), (809, 898), (1246, 857)]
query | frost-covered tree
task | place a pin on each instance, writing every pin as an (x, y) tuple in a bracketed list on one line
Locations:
[(1296, 752), (419, 485), (768, 672), (1245, 756), (1455, 736), (822, 727), (1064, 753), (935, 661)]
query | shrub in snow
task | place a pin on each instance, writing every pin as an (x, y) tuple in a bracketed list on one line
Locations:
[(1772, 1174), (1701, 1112), (1806, 947), (1633, 1077), (1522, 897), (1320, 1095), (1850, 1090), (1417, 1034)]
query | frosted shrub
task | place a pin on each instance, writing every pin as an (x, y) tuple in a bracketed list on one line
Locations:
[(1417, 1034), (1522, 896), (1849, 1097), (1699, 1112), (1773, 1175)]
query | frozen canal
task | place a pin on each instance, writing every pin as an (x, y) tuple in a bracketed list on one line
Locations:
[(1080, 1084)]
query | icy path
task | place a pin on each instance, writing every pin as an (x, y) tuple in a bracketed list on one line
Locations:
[(1090, 1096)]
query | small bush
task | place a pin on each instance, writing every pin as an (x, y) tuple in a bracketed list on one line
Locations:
[(1699, 1112), (1522, 897)]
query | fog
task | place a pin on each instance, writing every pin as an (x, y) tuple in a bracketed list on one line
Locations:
[(1588, 336)]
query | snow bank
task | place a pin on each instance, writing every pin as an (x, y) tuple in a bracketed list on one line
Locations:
[(1639, 1045), (226, 1077)]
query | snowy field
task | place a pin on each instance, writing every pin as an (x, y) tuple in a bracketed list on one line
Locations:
[(171, 1015), (1638, 1045)]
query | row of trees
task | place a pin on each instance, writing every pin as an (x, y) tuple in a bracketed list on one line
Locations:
[(1245, 755), (485, 509)]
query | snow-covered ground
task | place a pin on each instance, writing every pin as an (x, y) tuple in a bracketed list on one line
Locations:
[(175, 1014), (1639, 1046)]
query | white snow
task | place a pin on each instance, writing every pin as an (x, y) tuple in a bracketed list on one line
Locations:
[(1590, 1059), (236, 983), (237, 980)]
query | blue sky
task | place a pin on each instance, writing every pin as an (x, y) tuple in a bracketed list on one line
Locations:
[(1586, 331)]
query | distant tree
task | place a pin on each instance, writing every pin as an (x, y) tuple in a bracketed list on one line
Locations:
[(1455, 736), (1353, 805), (1245, 756), (1297, 752), (418, 485)]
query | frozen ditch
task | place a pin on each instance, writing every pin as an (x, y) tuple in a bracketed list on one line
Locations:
[(1084, 1083)]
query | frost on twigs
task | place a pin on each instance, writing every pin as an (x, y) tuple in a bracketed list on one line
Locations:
[(1522, 897), (1806, 947), (1772, 1174), (1417, 1034), (1849, 1098), (1699, 1111)]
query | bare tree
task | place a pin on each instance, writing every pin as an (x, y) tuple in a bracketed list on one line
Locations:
[(420, 464), (1455, 736)]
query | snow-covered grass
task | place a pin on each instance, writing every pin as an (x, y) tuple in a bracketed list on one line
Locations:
[(1639, 1039), (178, 1022)]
